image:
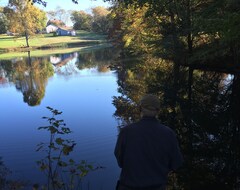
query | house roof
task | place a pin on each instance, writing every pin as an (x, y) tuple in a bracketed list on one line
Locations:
[(56, 22), (66, 28), (52, 25)]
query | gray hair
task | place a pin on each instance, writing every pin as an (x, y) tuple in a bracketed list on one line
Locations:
[(148, 112), (150, 105)]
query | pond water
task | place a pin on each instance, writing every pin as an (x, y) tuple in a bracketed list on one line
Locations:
[(80, 85), (201, 106)]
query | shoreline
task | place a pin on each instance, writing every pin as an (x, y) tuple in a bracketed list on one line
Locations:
[(50, 51), (52, 46), (40, 45)]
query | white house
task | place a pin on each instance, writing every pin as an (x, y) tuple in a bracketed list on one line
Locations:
[(51, 28)]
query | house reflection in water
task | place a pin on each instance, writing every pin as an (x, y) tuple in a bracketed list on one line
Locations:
[(64, 64), (3, 78)]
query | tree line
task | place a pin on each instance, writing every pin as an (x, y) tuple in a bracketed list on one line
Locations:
[(97, 21), (187, 32), (23, 18), (21, 15)]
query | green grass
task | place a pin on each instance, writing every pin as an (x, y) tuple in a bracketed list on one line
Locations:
[(47, 44), (11, 43), (47, 52)]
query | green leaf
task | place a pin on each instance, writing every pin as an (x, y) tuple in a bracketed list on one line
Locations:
[(49, 108), (59, 141), (67, 149), (90, 167), (71, 161), (45, 127), (62, 164), (43, 166), (56, 124), (52, 129)]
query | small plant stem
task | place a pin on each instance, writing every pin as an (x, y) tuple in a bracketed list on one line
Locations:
[(59, 157)]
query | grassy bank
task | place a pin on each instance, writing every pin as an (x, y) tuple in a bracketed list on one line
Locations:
[(46, 41), (47, 52)]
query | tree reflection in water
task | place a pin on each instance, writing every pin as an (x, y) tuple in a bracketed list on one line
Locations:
[(201, 106), (102, 59), (30, 76)]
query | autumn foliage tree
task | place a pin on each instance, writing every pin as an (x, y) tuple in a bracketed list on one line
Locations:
[(3, 21), (132, 29), (101, 20), (24, 18), (81, 20), (188, 32)]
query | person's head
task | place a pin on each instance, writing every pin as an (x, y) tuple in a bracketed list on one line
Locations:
[(150, 105)]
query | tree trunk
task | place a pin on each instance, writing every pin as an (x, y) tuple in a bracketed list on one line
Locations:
[(26, 37), (189, 27), (29, 59), (190, 82)]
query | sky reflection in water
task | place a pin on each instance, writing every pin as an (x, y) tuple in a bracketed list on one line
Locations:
[(201, 106), (82, 87)]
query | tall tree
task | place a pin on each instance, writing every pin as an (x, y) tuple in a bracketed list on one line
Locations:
[(190, 31), (101, 20), (61, 14), (81, 20), (24, 18), (138, 32), (51, 15), (3, 21)]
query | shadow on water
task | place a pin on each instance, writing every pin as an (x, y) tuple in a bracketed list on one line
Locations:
[(201, 106)]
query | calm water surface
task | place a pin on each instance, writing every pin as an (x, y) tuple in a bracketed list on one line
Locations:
[(82, 86), (201, 106)]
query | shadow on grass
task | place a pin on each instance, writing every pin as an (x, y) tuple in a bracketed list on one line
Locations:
[(69, 45), (5, 37)]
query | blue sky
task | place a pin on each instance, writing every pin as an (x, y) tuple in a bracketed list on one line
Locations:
[(85, 5)]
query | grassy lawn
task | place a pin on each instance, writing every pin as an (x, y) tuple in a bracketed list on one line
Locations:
[(11, 43), (47, 52)]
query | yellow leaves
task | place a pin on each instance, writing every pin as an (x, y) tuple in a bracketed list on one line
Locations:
[(137, 28), (26, 17), (130, 74), (127, 39), (100, 11)]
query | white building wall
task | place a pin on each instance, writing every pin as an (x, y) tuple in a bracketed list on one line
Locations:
[(51, 28)]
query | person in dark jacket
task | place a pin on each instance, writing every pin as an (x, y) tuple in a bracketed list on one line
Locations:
[(146, 151)]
